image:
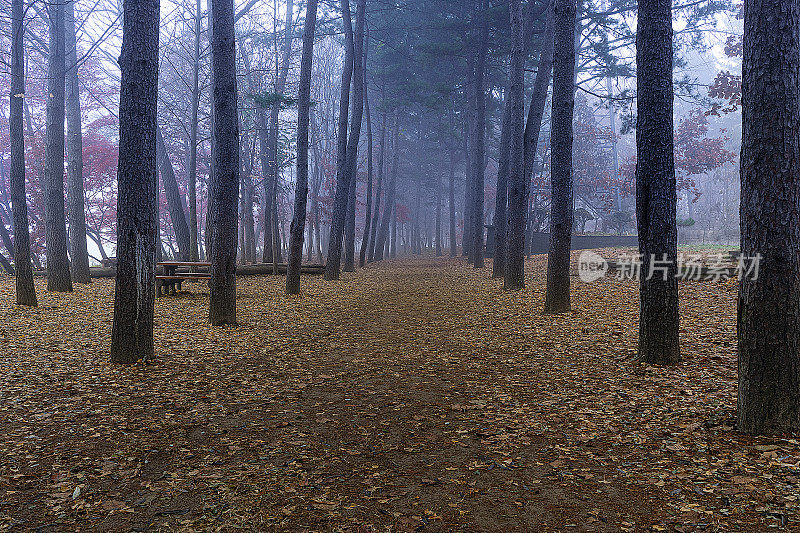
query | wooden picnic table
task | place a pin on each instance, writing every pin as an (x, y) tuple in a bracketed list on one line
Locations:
[(170, 281)]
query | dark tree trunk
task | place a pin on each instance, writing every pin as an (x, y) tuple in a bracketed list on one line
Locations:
[(479, 138), (177, 213), (533, 124), (383, 233), (193, 127), (301, 190), (378, 192), (469, 204), (514, 271), (557, 299), (452, 202), (656, 197), (271, 239), (769, 304), (225, 167), (58, 276), (342, 195), (137, 177), (362, 258), (503, 166), (75, 207), (438, 216), (359, 66), (26, 292)]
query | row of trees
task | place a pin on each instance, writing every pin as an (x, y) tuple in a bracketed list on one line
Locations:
[(434, 87)]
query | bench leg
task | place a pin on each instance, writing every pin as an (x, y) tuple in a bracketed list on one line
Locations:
[(180, 285)]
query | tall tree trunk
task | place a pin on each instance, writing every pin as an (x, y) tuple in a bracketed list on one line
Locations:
[(58, 275), (342, 195), (656, 196), (452, 202), (378, 192), (301, 190), (533, 124), (383, 233), (193, 127), (26, 292), (137, 182), (438, 216), (514, 272), (503, 167), (479, 139), (177, 212), (362, 258), (75, 207), (769, 302), (224, 184), (359, 87), (271, 240), (469, 205), (557, 299)]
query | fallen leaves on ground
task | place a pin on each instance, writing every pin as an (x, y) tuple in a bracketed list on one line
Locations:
[(414, 395)]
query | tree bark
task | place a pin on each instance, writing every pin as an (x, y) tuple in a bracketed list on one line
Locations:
[(79, 255), (192, 163), (514, 271), (224, 183), (359, 66), (137, 177), (503, 167), (342, 195), (769, 304), (378, 192), (383, 233), (362, 258), (557, 299), (452, 202), (58, 275), (533, 125), (301, 190), (271, 240), (177, 212), (479, 139), (656, 196), (25, 290)]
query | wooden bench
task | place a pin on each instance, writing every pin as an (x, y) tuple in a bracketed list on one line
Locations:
[(170, 282)]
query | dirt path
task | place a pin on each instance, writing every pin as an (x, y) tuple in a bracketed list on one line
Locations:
[(412, 396)]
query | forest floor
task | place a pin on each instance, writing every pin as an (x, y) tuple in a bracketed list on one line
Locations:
[(414, 395)]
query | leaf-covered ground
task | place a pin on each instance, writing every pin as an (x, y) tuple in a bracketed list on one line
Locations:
[(411, 396)]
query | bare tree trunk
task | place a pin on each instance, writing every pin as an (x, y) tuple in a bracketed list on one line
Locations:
[(383, 233), (378, 192), (77, 217), (656, 196), (438, 216), (503, 168), (533, 125), (557, 299), (301, 190), (514, 273), (192, 164), (452, 202), (342, 194), (769, 303), (225, 168), (479, 139), (132, 332), (362, 259), (26, 292), (271, 239), (359, 87), (58, 275), (177, 212)]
